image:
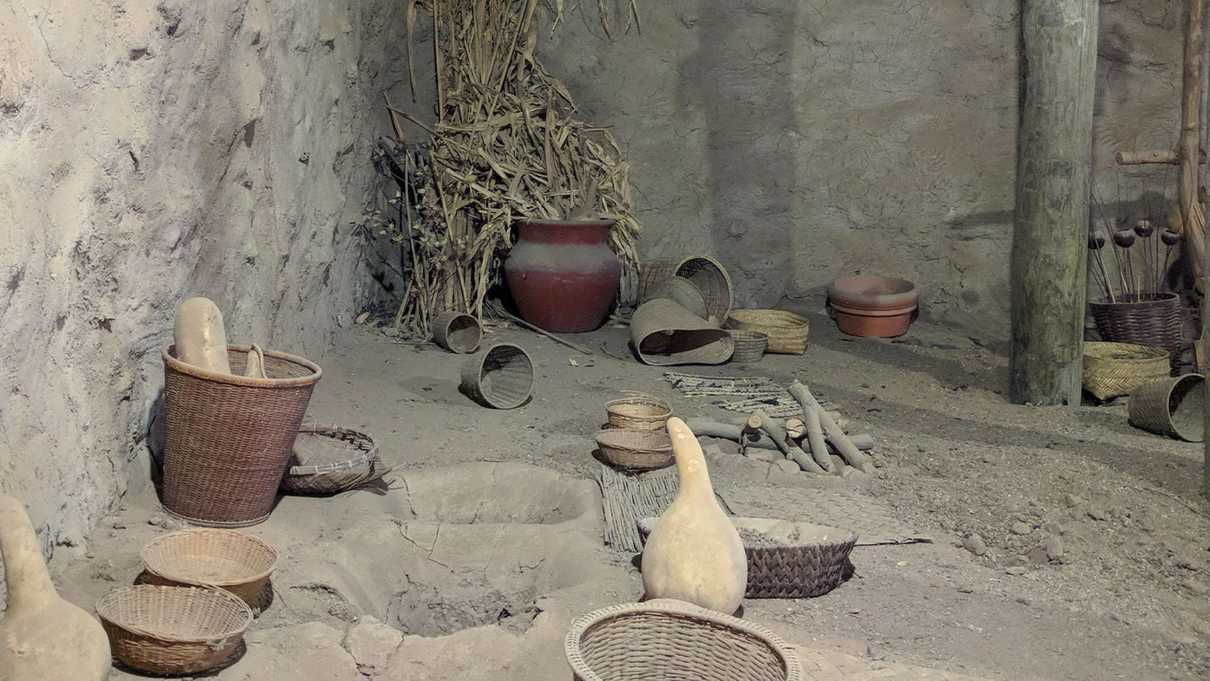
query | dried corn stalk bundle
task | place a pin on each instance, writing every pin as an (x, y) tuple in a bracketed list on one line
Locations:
[(506, 145)]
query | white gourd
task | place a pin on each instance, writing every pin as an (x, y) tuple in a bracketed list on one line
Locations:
[(42, 636), (200, 338), (694, 553)]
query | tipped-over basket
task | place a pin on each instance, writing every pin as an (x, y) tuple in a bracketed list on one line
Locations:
[(174, 630), (787, 331), (500, 377), (228, 559), (1171, 406), (1115, 369), (788, 559), (635, 449), (668, 639), (638, 412), (330, 460), (705, 273), (230, 436)]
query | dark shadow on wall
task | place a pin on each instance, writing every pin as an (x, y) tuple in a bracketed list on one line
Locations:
[(740, 78)]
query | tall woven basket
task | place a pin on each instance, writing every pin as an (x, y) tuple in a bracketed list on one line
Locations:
[(1155, 320), (230, 437)]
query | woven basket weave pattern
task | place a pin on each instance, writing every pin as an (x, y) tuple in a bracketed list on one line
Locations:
[(457, 332), (232, 560), (667, 639), (336, 460), (1157, 322), (230, 437), (750, 346), (174, 630), (501, 376), (1170, 406), (1113, 369), (706, 273), (787, 331), (636, 449), (638, 413)]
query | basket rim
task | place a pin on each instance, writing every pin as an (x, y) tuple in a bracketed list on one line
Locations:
[(177, 365), (1146, 353), (610, 406), (1163, 298), (845, 536), (212, 592), (362, 458), (571, 643), (156, 541), (760, 316)]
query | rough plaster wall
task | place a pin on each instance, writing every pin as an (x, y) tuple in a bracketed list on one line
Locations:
[(155, 150), (800, 141)]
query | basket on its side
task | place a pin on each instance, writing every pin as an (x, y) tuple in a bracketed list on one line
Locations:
[(788, 559), (457, 332), (174, 630), (230, 436), (668, 639), (635, 449), (1171, 406), (750, 346), (685, 292), (638, 412), (1155, 320), (706, 273), (227, 559), (330, 460), (787, 331), (500, 377), (1115, 369)]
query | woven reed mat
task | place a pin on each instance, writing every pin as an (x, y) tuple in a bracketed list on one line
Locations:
[(872, 522), (630, 496), (744, 394)]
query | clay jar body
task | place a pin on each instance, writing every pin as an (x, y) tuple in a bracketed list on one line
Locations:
[(562, 274)]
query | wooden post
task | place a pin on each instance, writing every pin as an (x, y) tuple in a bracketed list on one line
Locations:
[(1050, 231), (1192, 218)]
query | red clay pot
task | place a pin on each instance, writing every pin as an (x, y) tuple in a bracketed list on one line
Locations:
[(872, 306), (562, 274)]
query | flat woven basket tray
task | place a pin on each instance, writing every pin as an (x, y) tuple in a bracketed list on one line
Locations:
[(789, 559), (330, 460)]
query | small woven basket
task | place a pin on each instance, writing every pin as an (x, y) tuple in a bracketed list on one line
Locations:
[(1115, 369), (330, 460), (1155, 321), (230, 436), (706, 273), (678, 641), (174, 630), (457, 332), (788, 559), (787, 331), (750, 346), (1171, 406), (638, 412), (635, 449), (500, 377), (227, 559)]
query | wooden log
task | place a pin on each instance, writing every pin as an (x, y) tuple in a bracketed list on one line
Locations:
[(844, 446), (1138, 158), (793, 452), (819, 450), (1050, 232), (1193, 219)]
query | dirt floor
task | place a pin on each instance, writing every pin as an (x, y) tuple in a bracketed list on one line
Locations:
[(1066, 544)]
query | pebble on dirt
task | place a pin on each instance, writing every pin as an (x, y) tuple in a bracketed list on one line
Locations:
[(1020, 528), (975, 544)]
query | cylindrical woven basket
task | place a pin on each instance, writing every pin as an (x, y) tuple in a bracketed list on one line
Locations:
[(1115, 369), (750, 346), (1171, 406), (667, 639), (174, 630), (638, 412), (706, 273), (1154, 321), (330, 460), (457, 332), (228, 559), (635, 449), (230, 437), (787, 331), (685, 292), (500, 377), (788, 559)]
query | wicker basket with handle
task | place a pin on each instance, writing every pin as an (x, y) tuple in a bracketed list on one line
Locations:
[(230, 436)]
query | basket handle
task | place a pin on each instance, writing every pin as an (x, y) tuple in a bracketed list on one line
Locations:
[(260, 354)]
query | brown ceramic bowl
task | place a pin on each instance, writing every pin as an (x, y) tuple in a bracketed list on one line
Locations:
[(870, 292)]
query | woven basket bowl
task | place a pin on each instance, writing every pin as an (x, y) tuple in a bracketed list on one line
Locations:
[(677, 641), (330, 460), (1115, 369), (228, 559), (750, 346), (1155, 321), (1171, 406), (787, 331), (788, 559), (706, 273), (174, 630), (230, 436), (500, 377), (635, 449), (640, 412)]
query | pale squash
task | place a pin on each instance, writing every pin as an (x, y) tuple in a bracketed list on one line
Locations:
[(42, 636), (694, 553), (201, 339)]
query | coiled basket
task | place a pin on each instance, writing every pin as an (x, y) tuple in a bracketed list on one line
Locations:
[(230, 437)]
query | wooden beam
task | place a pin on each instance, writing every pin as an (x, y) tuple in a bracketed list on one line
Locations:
[(1138, 158), (1192, 219), (1050, 231)]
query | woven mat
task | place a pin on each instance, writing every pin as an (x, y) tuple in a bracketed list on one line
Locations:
[(629, 496), (744, 394), (873, 522)]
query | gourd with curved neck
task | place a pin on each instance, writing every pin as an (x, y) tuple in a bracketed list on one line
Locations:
[(694, 553), (42, 636)]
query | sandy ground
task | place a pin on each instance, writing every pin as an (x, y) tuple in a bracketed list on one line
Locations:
[(1091, 560)]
